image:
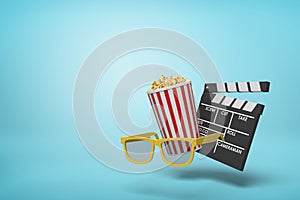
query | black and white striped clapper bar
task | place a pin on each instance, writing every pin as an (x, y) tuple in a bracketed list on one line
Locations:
[(235, 118)]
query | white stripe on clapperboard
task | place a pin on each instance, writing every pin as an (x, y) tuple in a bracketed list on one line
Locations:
[(221, 87), (215, 116), (255, 87), (217, 99), (230, 121), (231, 144), (231, 87), (226, 143), (243, 133), (209, 129), (238, 103), (223, 142), (241, 86), (226, 101), (249, 106), (227, 110)]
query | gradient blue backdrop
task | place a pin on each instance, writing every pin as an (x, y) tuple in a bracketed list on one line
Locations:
[(42, 48)]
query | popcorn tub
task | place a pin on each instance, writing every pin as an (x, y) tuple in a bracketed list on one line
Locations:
[(175, 113)]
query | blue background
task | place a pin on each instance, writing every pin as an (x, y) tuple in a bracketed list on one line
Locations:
[(42, 48)]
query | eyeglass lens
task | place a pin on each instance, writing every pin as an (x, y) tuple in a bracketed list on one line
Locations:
[(177, 152), (139, 151)]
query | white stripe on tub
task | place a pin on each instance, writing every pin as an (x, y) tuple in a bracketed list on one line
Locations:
[(194, 111), (163, 119), (192, 132), (176, 113), (184, 129), (167, 110), (155, 113)]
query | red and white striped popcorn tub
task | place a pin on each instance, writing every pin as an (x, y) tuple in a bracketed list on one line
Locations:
[(175, 112)]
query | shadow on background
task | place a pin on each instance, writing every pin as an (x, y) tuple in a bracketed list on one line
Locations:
[(227, 176), (163, 191), (171, 181)]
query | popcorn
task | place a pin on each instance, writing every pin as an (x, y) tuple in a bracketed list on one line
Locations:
[(167, 82)]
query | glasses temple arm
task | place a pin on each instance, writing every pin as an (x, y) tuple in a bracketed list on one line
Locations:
[(210, 138)]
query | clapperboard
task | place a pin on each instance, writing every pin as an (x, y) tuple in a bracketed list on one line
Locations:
[(235, 118)]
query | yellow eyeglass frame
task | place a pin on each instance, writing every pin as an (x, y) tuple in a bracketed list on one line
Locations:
[(147, 137)]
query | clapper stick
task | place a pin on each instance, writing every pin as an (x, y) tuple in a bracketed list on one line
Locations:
[(237, 119), (262, 86)]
